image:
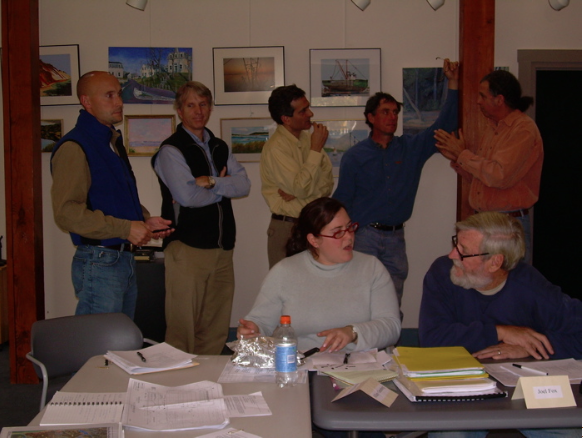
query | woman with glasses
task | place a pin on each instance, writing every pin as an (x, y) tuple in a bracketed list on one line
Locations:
[(337, 298)]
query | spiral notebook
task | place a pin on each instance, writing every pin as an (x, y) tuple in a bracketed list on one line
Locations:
[(84, 408)]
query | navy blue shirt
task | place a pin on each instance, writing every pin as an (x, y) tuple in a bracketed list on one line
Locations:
[(379, 185)]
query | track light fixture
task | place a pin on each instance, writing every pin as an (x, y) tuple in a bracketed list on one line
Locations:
[(138, 4)]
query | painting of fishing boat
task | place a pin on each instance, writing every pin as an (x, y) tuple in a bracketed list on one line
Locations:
[(344, 77)]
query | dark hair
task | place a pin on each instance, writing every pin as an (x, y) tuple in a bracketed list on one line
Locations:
[(502, 82), (279, 102), (313, 218), (375, 101)]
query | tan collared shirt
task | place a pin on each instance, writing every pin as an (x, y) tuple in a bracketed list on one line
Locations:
[(288, 163)]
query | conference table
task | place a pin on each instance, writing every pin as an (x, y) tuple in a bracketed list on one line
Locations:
[(359, 411), (294, 408), (290, 407)]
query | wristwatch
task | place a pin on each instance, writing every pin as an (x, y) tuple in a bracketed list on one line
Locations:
[(212, 182)]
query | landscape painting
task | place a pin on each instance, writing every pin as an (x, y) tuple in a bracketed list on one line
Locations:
[(58, 74), (144, 134), (51, 131), (150, 75), (246, 137), (247, 75)]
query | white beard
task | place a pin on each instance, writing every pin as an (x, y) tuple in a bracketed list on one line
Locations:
[(468, 280)]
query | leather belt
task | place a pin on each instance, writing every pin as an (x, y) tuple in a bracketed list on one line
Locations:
[(289, 219), (126, 247), (386, 228)]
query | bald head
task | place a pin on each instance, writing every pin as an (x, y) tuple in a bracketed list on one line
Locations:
[(100, 94)]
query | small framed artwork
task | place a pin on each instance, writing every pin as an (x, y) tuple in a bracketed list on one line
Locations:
[(247, 75), (342, 135), (246, 137), (51, 131), (344, 77), (144, 134), (59, 73)]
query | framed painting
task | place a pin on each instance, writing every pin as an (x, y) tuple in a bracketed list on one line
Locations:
[(344, 77), (247, 75), (246, 137), (59, 73), (51, 131), (144, 134), (150, 75), (342, 135)]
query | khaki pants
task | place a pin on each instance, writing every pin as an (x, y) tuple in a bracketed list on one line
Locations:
[(278, 234), (199, 296)]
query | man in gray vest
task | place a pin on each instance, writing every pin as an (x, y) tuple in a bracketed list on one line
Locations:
[(198, 176)]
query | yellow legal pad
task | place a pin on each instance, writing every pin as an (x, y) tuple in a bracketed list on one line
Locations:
[(452, 362)]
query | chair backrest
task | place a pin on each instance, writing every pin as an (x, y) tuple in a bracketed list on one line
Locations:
[(64, 344)]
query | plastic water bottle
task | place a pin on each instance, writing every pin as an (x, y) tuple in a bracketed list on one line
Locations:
[(286, 346)]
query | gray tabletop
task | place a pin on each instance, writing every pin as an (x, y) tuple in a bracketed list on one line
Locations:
[(290, 407), (359, 411)]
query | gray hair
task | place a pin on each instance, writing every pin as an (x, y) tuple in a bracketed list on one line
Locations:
[(197, 87), (503, 235)]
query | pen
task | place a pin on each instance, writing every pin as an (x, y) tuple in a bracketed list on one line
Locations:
[(346, 357), (141, 356), (538, 372), (311, 352)]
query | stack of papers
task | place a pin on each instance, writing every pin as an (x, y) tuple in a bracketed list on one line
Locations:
[(153, 359), (508, 374), (438, 363)]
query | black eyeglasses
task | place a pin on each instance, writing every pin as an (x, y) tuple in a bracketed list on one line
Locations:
[(462, 256), (352, 228)]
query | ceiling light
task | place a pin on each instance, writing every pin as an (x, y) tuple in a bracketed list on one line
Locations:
[(436, 4), (361, 4), (557, 5), (138, 4)]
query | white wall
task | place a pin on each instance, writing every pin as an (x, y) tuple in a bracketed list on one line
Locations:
[(409, 33)]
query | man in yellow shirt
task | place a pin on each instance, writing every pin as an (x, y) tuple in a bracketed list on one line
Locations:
[(294, 167)]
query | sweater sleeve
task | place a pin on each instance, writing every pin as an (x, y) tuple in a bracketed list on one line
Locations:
[(384, 327)]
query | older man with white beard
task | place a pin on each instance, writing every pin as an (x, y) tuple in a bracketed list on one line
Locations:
[(482, 297)]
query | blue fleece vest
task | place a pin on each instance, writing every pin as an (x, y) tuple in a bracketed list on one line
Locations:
[(113, 188)]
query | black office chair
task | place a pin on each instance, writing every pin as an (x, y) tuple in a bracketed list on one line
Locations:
[(60, 346)]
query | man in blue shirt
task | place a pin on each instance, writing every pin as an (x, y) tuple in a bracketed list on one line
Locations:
[(198, 176), (379, 177)]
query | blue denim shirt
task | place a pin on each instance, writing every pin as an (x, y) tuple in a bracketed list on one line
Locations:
[(380, 185)]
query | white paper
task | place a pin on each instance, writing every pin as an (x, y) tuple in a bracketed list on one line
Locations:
[(246, 405), (156, 407), (158, 357), (508, 375)]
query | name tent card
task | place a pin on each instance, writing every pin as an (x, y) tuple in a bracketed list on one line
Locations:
[(372, 388), (545, 391)]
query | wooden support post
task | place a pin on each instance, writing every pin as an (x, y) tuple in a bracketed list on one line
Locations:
[(477, 60), (21, 100)]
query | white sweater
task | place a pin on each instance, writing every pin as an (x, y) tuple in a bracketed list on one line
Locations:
[(319, 297)]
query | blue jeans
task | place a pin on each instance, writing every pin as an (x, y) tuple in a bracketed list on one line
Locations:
[(527, 432), (104, 280), (390, 249)]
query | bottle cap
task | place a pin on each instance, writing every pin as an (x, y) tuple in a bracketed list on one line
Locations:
[(285, 320)]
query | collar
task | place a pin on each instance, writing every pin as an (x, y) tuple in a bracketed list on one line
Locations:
[(508, 120)]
